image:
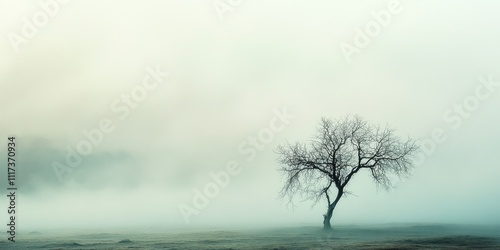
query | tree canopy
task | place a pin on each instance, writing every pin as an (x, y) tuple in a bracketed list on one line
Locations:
[(339, 150)]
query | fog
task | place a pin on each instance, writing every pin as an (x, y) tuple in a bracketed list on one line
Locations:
[(217, 75)]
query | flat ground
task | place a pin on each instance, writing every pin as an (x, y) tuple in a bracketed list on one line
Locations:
[(342, 237)]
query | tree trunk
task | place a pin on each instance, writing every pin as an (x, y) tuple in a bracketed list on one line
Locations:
[(329, 213), (328, 216)]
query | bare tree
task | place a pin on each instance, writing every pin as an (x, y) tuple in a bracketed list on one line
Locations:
[(338, 151)]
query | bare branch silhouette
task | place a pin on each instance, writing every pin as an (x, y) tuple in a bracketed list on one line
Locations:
[(338, 151)]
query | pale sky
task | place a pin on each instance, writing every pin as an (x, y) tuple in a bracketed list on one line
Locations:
[(229, 72)]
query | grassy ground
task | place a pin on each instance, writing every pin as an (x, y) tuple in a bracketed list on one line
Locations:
[(342, 237)]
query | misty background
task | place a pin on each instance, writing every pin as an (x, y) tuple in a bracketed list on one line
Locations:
[(225, 79)]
